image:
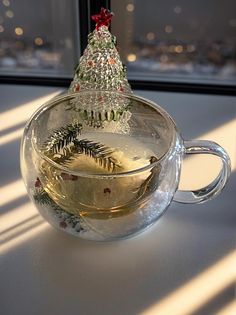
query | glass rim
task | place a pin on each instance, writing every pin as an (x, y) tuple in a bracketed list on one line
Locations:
[(60, 98)]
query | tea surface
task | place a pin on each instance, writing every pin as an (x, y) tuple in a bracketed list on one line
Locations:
[(101, 196)]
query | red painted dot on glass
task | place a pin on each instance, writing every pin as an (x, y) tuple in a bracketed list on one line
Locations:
[(63, 224), (107, 190), (66, 176), (37, 183)]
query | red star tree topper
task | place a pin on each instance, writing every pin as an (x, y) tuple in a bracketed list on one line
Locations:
[(103, 18)]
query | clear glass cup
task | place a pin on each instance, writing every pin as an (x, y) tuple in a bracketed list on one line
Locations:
[(104, 165)]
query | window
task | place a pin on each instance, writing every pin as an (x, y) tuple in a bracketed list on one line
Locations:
[(177, 40), (39, 38), (175, 45)]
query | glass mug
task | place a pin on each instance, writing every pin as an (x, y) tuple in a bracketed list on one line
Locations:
[(104, 165)]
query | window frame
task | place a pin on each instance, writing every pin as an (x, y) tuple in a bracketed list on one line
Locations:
[(86, 8)]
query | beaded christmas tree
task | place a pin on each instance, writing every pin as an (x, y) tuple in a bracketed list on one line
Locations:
[(100, 67)]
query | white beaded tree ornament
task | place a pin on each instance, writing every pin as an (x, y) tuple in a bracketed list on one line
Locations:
[(100, 67)]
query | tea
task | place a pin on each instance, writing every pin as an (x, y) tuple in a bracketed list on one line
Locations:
[(80, 188)]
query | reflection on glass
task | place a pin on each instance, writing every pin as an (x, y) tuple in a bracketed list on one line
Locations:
[(38, 37), (181, 40)]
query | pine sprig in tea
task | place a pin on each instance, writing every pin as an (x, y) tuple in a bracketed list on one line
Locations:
[(66, 157), (42, 197), (64, 146), (62, 137), (101, 153), (64, 218)]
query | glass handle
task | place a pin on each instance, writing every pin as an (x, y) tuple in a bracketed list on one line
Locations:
[(215, 187)]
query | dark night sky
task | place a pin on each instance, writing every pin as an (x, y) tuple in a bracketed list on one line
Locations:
[(196, 19), (46, 18)]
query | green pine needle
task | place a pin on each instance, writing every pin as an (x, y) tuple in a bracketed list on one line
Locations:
[(99, 152), (42, 197), (62, 147), (62, 137)]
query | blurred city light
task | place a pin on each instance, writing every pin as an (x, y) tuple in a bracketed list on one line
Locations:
[(179, 49), (177, 9), (38, 41), (19, 31), (6, 3), (150, 36), (9, 14), (131, 57), (168, 29), (130, 7)]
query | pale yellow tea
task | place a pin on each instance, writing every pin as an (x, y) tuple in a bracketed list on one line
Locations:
[(80, 187)]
